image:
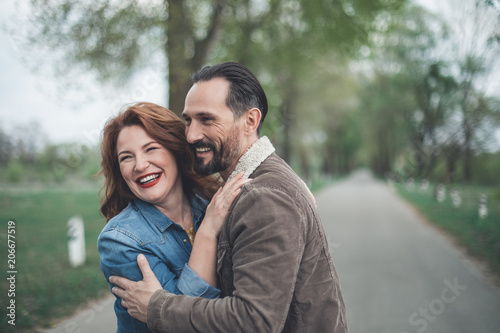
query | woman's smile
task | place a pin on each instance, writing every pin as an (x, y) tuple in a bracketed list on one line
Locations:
[(149, 180)]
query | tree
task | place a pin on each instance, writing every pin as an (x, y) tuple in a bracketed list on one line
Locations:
[(475, 46), (5, 148), (113, 39), (285, 42)]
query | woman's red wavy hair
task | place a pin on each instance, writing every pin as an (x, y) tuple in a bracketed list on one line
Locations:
[(168, 130)]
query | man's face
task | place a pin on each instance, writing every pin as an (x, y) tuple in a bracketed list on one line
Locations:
[(211, 130)]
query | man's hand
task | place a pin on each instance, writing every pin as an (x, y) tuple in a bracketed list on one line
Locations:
[(136, 295)]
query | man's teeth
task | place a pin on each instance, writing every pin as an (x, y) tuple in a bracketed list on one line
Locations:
[(202, 150), (149, 178)]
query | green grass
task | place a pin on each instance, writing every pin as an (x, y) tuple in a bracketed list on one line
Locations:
[(47, 287), (480, 237)]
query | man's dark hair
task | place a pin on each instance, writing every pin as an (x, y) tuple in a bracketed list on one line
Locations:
[(245, 91)]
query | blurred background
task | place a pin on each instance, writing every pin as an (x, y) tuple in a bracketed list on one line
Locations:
[(407, 89)]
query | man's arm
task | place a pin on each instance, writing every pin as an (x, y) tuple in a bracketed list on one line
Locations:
[(268, 246)]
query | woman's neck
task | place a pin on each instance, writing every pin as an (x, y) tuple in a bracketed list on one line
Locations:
[(177, 207)]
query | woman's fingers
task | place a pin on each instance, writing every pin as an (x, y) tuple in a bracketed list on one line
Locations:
[(233, 187), (225, 196)]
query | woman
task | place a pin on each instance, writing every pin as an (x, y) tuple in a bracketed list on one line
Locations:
[(154, 205)]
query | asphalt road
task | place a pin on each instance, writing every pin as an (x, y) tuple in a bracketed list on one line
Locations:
[(398, 274)]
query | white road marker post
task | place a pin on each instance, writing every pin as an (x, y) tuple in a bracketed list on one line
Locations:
[(76, 242)]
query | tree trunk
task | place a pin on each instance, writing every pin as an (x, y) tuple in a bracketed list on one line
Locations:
[(468, 154), (185, 54), (179, 69)]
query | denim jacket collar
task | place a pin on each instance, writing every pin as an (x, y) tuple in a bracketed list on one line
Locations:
[(162, 222)]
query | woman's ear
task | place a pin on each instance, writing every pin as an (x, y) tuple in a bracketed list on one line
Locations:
[(252, 121)]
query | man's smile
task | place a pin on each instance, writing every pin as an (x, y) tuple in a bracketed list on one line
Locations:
[(203, 150)]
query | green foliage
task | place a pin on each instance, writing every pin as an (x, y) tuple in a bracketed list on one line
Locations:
[(46, 286), (486, 167), (386, 102), (365, 83), (55, 163), (15, 171), (113, 40), (432, 116)]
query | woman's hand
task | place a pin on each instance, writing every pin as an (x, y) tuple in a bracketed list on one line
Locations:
[(219, 206), (203, 256)]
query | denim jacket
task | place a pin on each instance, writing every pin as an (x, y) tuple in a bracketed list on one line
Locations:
[(142, 228)]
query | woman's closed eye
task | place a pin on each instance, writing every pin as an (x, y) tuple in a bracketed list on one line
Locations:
[(123, 158)]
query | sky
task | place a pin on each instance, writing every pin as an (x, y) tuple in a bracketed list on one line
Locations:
[(68, 116), (71, 116)]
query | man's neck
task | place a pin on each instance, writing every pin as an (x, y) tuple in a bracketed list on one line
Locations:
[(226, 173)]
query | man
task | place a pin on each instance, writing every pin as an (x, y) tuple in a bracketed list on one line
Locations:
[(273, 264)]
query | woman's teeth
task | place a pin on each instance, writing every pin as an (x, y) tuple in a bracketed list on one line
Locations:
[(149, 178)]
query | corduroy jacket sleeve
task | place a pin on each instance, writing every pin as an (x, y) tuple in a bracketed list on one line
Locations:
[(265, 242)]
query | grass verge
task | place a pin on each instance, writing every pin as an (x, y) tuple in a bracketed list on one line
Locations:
[(479, 236), (46, 286)]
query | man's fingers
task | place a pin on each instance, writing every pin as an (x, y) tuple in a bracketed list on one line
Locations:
[(121, 282), (143, 264), (119, 292), (124, 303)]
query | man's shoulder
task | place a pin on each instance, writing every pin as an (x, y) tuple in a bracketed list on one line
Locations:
[(275, 173)]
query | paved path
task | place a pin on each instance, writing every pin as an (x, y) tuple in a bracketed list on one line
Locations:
[(97, 317), (397, 273)]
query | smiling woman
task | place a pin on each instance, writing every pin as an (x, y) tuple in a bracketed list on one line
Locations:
[(149, 169), (155, 203)]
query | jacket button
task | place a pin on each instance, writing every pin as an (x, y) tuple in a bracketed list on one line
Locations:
[(185, 240)]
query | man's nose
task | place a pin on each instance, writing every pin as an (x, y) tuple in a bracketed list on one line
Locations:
[(193, 133)]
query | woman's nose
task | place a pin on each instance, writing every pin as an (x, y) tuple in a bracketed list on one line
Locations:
[(141, 164)]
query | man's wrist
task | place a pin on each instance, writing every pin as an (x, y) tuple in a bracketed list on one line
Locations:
[(154, 309)]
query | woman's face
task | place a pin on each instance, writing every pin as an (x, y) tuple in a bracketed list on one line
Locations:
[(148, 168)]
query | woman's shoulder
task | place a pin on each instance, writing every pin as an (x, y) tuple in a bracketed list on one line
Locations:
[(129, 223), (127, 215)]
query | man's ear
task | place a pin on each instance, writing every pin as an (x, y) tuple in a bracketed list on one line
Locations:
[(252, 121)]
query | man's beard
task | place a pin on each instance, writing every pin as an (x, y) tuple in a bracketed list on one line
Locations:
[(222, 157)]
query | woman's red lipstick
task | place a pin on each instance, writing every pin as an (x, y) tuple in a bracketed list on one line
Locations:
[(151, 179)]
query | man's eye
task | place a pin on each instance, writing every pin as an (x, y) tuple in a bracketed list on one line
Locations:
[(206, 119)]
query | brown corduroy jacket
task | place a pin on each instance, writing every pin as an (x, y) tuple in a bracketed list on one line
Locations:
[(273, 263)]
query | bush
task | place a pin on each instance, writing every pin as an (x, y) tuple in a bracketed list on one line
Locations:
[(15, 171)]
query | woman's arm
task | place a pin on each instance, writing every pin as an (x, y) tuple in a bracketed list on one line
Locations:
[(118, 252), (203, 256)]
